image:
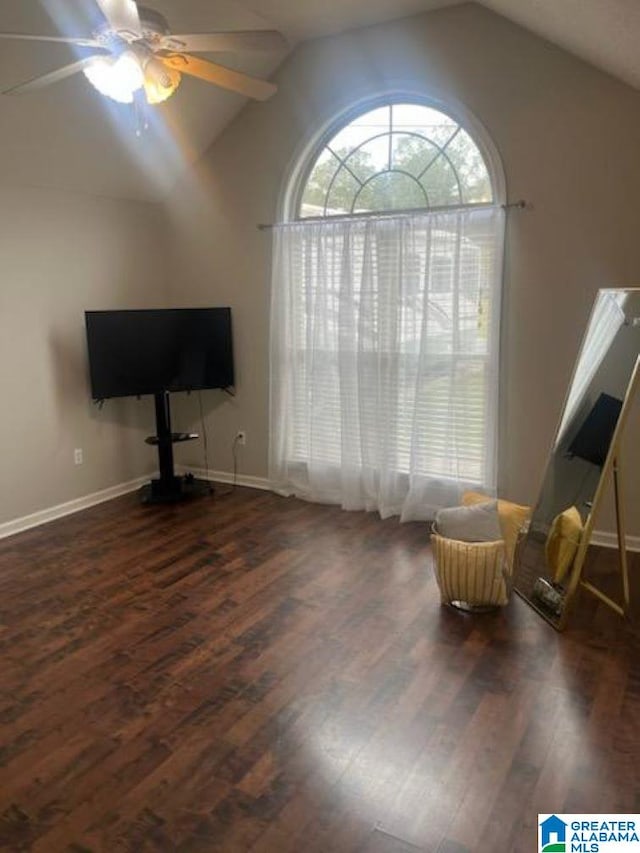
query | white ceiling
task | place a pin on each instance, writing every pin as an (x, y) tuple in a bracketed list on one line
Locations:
[(67, 136)]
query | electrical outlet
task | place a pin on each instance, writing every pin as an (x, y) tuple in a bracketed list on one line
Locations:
[(78, 456), (241, 437)]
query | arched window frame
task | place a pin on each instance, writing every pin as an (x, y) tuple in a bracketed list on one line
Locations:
[(302, 458), (305, 157)]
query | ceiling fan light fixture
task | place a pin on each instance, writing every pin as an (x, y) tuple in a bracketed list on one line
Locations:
[(160, 82), (116, 77), (138, 52)]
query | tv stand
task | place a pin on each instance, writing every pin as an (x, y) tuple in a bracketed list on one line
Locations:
[(168, 487)]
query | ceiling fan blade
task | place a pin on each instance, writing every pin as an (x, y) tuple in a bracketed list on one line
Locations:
[(49, 79), (235, 81), (77, 42), (122, 16), (225, 41)]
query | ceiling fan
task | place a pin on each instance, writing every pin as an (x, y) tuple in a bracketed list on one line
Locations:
[(134, 52)]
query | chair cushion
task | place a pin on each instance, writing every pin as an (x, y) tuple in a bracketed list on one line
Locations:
[(479, 523)]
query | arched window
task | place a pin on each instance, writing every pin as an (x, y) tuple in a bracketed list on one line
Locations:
[(385, 314), (396, 157)]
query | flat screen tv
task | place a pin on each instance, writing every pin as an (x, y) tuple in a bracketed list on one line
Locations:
[(594, 436), (132, 353)]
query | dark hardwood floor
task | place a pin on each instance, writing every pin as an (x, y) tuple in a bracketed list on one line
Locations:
[(251, 673)]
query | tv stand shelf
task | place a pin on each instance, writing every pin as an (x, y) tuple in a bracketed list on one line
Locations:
[(175, 438)]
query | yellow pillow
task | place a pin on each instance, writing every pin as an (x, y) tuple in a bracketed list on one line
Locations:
[(512, 519), (562, 542)]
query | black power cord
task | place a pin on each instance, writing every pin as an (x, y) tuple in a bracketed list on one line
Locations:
[(205, 441), (234, 453)]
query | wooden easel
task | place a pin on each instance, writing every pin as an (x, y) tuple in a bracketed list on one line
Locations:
[(612, 467)]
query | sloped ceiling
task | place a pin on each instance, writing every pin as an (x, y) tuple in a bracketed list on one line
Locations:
[(69, 137), (605, 33)]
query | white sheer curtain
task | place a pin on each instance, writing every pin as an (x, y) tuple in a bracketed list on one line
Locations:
[(384, 359)]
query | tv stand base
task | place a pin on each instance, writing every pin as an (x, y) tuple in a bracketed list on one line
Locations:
[(175, 490)]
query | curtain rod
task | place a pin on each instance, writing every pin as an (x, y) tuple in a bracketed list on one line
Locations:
[(264, 226)]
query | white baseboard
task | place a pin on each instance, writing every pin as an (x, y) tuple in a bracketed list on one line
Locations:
[(602, 538), (610, 540), (225, 477), (43, 516)]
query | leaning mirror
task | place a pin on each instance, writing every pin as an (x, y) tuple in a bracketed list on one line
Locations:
[(585, 458)]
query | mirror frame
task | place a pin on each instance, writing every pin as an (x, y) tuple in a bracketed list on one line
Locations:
[(611, 467)]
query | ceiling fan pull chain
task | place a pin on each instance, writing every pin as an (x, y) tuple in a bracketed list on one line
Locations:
[(141, 117)]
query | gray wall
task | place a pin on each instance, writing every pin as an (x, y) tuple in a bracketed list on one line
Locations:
[(63, 253), (569, 138)]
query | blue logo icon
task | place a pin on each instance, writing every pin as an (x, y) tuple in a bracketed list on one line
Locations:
[(553, 833)]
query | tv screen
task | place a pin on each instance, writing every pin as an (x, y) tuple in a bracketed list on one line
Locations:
[(594, 436), (147, 352)]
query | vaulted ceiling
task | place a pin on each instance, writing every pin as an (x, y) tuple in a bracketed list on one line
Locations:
[(67, 136)]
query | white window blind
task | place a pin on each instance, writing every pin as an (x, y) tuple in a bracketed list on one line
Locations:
[(384, 358)]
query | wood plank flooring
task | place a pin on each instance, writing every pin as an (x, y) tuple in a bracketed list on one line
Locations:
[(253, 673)]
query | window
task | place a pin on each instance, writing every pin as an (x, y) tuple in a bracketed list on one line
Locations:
[(385, 317), (396, 157)]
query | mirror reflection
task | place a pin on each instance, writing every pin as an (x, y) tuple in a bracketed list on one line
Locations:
[(593, 406)]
